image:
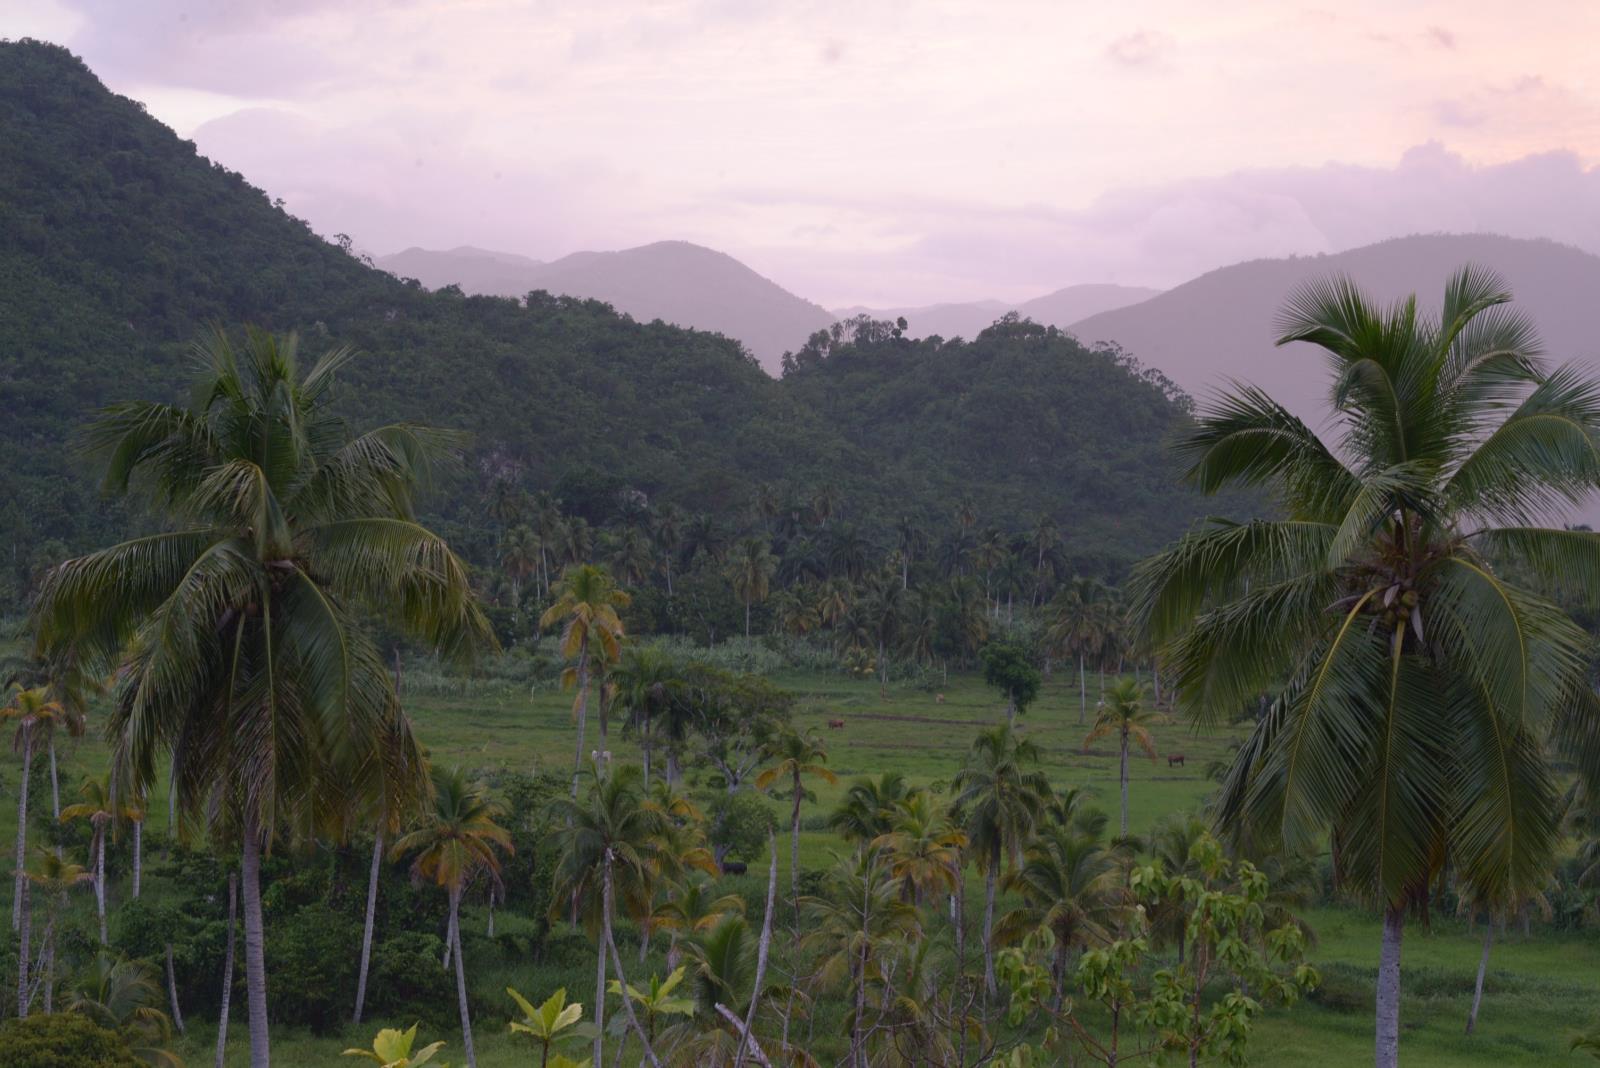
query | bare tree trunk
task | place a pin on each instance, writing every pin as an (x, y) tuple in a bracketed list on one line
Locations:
[(25, 930), (172, 993), (461, 977), (227, 970), (1388, 1002), (600, 979), (1083, 691), (371, 919), (49, 983), (138, 855), (255, 965), (761, 951), (1483, 966), (22, 831)]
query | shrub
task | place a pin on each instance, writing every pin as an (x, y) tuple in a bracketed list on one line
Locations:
[(312, 958), (408, 982), (62, 1040)]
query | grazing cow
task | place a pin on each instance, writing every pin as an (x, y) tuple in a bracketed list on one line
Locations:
[(938, 699), (1174, 760), (734, 867), (836, 724)]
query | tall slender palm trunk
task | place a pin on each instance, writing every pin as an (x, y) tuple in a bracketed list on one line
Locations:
[(22, 831), (761, 951), (100, 882), (172, 993), (600, 976), (55, 784), (138, 856), (255, 965), (227, 970), (366, 929), (988, 919), (1387, 1053), (609, 944), (24, 950), (583, 710), (1083, 691), (1123, 773), (461, 977), (1483, 966)]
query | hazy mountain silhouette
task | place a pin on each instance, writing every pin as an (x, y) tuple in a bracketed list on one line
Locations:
[(967, 319), (1219, 326), (674, 281)]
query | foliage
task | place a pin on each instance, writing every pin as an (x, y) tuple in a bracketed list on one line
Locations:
[(1010, 670), (391, 1048), (62, 1040)]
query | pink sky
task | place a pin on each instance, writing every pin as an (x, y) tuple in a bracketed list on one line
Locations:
[(880, 152)]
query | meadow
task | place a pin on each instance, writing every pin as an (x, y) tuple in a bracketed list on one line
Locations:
[(1540, 987)]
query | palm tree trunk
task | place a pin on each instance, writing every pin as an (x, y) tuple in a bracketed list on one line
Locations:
[(646, 743), (49, 983), (366, 929), (138, 856), (1388, 1007), (255, 965), (172, 993), (22, 831), (55, 783), (610, 945), (794, 846), (598, 1056), (1123, 774), (461, 977), (100, 883), (24, 950), (747, 619), (761, 950), (583, 711), (988, 919), (227, 970), (1083, 691), (1483, 966)]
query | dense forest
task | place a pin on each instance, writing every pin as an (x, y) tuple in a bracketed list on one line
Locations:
[(118, 244)]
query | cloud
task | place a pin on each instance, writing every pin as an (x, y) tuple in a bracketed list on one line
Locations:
[(1144, 48)]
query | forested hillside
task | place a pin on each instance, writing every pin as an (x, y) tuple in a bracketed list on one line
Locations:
[(118, 243)]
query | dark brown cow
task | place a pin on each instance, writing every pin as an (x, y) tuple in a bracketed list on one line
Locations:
[(1174, 760), (836, 724)]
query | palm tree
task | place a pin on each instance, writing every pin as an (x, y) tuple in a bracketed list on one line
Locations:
[(751, 570), (1073, 628), (240, 661), (1419, 687), (519, 556), (632, 557), (68, 687), (1000, 802), (124, 996), (54, 876), (608, 839), (867, 810), (644, 681), (1122, 713), (101, 809), (29, 708), (910, 541), (702, 537), (847, 551), (1043, 539), (923, 850), (795, 756), (545, 511), (667, 530), (877, 614), (457, 840), (1069, 884), (586, 607)]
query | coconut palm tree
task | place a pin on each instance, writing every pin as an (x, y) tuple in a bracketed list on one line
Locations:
[(1123, 714), (29, 709), (643, 683), (667, 532), (751, 569), (125, 996), (867, 809), (457, 840), (794, 756), (519, 556), (923, 850), (1073, 629), (633, 558), (609, 840), (53, 876), (910, 542), (586, 607), (103, 812), (877, 615), (1420, 686), (1069, 883), (241, 664), (1000, 801), (68, 687)]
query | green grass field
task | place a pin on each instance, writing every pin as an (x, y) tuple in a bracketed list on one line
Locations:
[(1540, 989)]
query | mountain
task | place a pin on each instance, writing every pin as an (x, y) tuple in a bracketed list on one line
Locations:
[(674, 281), (1061, 308), (119, 244), (1219, 325)]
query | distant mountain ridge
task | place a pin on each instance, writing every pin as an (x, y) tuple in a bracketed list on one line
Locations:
[(675, 281), (968, 318), (1219, 326)]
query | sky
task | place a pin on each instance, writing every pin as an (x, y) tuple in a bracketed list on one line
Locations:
[(879, 152)]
